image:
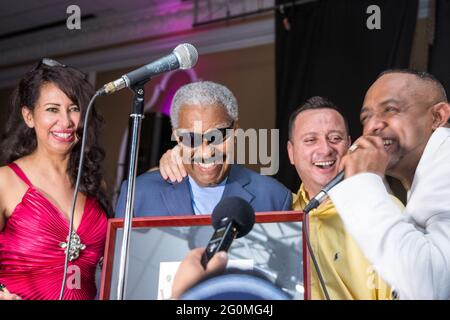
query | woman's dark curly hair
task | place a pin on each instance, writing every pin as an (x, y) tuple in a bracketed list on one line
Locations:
[(18, 140)]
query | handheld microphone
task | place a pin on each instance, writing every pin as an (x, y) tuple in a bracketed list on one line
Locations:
[(184, 56), (323, 194), (232, 218)]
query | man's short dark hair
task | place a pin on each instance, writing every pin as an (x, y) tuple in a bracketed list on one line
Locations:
[(424, 76), (315, 103)]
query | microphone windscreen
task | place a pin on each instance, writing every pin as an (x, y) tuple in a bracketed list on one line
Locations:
[(187, 55), (236, 209)]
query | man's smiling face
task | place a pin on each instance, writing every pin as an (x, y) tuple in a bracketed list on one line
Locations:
[(397, 107), (319, 141), (206, 163)]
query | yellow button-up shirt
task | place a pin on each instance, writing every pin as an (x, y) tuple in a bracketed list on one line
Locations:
[(346, 271)]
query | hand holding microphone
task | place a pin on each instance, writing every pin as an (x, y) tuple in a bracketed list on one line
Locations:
[(367, 154), (191, 271), (232, 218)]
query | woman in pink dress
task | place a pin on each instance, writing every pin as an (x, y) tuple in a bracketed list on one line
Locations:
[(40, 149)]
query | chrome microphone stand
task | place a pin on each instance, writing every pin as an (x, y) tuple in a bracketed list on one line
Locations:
[(137, 115)]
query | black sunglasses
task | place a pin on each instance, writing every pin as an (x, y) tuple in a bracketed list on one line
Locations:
[(214, 137), (47, 62)]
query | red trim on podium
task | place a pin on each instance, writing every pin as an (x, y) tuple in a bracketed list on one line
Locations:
[(191, 220)]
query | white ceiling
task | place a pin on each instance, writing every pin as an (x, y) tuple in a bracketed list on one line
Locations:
[(124, 33), (22, 15), (19, 15)]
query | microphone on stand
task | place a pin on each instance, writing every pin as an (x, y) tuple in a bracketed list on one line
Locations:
[(184, 56), (312, 204)]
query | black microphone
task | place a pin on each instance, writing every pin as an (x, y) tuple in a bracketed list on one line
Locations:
[(232, 218), (184, 56), (323, 194)]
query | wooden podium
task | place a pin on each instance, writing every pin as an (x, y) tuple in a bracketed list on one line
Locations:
[(163, 238)]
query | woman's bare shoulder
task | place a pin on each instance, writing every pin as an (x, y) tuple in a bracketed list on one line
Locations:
[(6, 176), (5, 172)]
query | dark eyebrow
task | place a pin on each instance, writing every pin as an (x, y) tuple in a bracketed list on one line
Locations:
[(385, 102), (59, 105), (363, 110), (336, 131), (389, 101), (306, 134)]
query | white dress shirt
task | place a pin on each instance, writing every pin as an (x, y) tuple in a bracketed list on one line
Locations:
[(410, 249)]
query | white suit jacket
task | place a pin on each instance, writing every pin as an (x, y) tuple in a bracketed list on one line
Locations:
[(410, 249)]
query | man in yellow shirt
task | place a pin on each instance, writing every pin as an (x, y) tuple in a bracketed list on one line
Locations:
[(318, 139)]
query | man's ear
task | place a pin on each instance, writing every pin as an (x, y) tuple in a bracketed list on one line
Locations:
[(290, 148), (441, 114), (27, 115)]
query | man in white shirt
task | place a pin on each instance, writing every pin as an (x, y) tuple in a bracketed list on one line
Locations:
[(405, 117)]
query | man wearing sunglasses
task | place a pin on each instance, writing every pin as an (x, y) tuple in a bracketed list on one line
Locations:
[(204, 116)]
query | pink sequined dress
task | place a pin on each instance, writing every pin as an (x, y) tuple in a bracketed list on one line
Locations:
[(32, 248)]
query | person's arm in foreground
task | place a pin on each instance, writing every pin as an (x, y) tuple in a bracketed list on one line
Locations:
[(190, 272)]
